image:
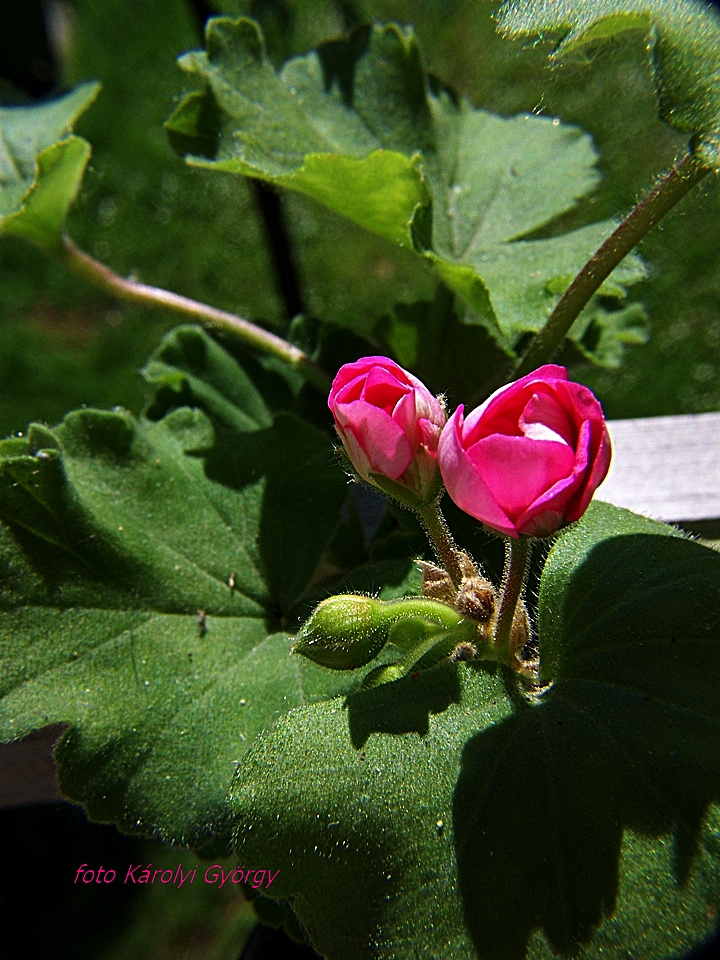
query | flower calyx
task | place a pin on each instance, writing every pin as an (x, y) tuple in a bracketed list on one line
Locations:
[(475, 599)]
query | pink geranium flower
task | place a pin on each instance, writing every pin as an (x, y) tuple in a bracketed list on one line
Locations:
[(389, 423), (530, 458)]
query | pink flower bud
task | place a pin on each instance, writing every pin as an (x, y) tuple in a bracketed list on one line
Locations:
[(389, 424), (530, 458)]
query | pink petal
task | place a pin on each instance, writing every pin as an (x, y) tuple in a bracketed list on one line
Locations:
[(517, 470), (545, 419), (383, 390), (430, 435), (464, 483), (581, 403), (405, 416), (551, 372), (384, 443), (548, 512), (541, 524), (569, 498), (501, 411), (599, 456), (348, 392), (355, 373), (356, 453)]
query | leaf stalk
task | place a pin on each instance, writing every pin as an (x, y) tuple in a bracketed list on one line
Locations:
[(82, 264), (667, 192)]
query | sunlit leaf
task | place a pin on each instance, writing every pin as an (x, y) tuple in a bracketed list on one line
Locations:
[(444, 815), (149, 572), (358, 127), (683, 44), (42, 165)]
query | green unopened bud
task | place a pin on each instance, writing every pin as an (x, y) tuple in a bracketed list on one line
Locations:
[(349, 631), (344, 632)]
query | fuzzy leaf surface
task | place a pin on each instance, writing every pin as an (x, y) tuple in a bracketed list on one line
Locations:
[(358, 127), (42, 165), (440, 815), (149, 570), (189, 368), (683, 44)]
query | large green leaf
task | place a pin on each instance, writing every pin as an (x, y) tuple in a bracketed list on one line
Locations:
[(445, 815), (150, 573), (41, 166), (683, 47), (358, 127)]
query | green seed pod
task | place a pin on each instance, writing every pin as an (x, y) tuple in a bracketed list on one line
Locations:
[(344, 632)]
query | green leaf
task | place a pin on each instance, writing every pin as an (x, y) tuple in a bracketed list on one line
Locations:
[(189, 368), (41, 166), (601, 334), (444, 815), (358, 127), (683, 44), (150, 571)]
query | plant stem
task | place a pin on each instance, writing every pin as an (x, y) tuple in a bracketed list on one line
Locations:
[(86, 266), (425, 608), (437, 530), (517, 554), (668, 191)]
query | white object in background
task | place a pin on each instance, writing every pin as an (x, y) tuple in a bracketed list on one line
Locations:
[(667, 468)]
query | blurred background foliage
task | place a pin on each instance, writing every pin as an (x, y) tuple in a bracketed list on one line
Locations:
[(238, 246)]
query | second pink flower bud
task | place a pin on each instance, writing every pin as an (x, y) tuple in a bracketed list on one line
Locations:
[(390, 425)]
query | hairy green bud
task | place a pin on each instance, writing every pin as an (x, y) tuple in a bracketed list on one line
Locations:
[(349, 630), (344, 632)]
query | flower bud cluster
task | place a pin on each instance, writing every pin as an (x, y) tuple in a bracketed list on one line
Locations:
[(525, 462)]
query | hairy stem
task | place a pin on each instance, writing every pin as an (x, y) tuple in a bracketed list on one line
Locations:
[(424, 608), (517, 554), (668, 191), (442, 543), (86, 266)]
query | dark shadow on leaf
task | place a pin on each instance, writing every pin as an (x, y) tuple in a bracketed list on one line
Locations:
[(339, 58), (540, 809), (65, 553), (194, 126), (625, 740), (403, 706), (686, 844)]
